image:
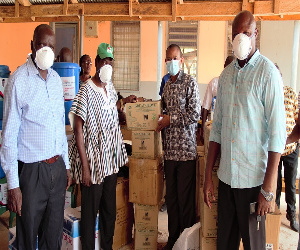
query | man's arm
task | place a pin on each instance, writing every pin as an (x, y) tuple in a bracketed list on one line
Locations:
[(78, 132), (213, 151), (275, 116), (271, 173), (9, 150), (295, 135)]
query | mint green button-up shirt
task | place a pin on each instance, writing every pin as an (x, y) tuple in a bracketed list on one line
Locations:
[(249, 120)]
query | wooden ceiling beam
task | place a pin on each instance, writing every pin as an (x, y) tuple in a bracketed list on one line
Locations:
[(174, 10), (132, 10), (66, 6), (24, 2), (17, 9)]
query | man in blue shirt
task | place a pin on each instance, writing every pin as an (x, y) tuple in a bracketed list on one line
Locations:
[(250, 131), (34, 152), (163, 82)]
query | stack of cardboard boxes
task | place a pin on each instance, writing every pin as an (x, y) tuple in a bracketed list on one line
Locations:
[(145, 171), (208, 217)]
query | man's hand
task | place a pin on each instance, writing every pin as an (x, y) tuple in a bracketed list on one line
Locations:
[(264, 206), (208, 192), (163, 122), (86, 177), (130, 99), (15, 200), (69, 179)]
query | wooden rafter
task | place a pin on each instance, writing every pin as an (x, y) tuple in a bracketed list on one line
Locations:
[(174, 10), (134, 10), (17, 9), (24, 2), (66, 6)]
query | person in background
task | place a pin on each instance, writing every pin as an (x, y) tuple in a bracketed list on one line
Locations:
[(85, 64), (295, 137), (163, 82), (182, 107), (289, 159), (34, 152), (65, 55), (211, 92), (97, 150), (250, 131)]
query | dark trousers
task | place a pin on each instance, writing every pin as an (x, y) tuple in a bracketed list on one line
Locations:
[(235, 221), (290, 163), (180, 196), (43, 188), (100, 197)]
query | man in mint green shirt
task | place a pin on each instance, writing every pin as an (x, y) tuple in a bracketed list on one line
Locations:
[(250, 131)]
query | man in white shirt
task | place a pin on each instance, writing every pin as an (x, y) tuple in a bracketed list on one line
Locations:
[(211, 92)]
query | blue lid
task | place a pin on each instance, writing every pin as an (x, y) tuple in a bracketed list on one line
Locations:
[(4, 69), (65, 65)]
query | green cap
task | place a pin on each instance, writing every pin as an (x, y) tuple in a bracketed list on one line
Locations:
[(105, 50)]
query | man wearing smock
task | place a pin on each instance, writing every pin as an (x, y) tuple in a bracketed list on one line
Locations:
[(34, 152), (249, 128), (182, 106), (97, 150)]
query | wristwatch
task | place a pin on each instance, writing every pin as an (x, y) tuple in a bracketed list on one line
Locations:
[(268, 195)]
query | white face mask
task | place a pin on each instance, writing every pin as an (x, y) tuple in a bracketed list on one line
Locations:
[(44, 58), (173, 67), (242, 46), (105, 73)]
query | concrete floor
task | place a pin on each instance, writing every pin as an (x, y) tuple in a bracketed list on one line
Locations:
[(288, 239)]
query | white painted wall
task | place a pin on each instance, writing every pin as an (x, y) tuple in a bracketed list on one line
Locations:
[(277, 45)]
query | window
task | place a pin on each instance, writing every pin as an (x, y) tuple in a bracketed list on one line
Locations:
[(126, 43), (185, 34), (66, 36)]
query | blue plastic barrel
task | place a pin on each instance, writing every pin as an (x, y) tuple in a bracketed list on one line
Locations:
[(4, 74), (69, 73)]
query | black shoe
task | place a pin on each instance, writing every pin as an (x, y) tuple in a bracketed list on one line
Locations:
[(293, 222)]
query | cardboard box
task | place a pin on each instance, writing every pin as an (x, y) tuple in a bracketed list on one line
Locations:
[(123, 226), (124, 220), (71, 230), (145, 240), (143, 115), (207, 243), (3, 191), (146, 144), (273, 222), (208, 218), (126, 133), (145, 181), (146, 217)]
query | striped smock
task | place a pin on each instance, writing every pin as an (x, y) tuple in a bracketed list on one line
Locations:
[(102, 135)]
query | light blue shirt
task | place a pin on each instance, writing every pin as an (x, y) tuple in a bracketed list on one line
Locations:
[(33, 120), (249, 120)]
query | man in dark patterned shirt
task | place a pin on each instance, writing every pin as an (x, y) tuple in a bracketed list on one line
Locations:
[(182, 107)]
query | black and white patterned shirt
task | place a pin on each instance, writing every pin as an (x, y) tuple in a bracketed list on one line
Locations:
[(181, 101)]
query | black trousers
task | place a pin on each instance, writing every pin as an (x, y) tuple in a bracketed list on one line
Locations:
[(290, 163), (43, 188), (235, 221), (180, 196), (100, 197)]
